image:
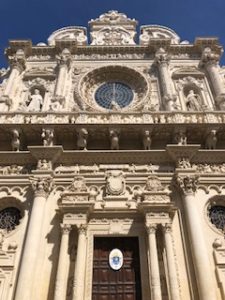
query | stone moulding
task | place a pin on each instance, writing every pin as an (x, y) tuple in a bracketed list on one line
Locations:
[(207, 117)]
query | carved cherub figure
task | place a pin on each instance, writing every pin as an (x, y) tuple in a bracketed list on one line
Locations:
[(147, 141), (47, 136), (114, 140), (82, 139), (15, 140), (211, 140)]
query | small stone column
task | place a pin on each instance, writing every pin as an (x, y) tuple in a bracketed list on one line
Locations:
[(64, 61), (210, 62), (62, 271), (204, 273), (17, 63), (173, 280), (41, 186), (154, 263), (79, 275), (162, 60)]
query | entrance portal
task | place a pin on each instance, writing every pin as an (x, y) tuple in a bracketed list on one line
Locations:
[(122, 284)]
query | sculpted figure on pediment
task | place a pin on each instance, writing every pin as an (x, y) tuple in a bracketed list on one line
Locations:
[(36, 101), (193, 101)]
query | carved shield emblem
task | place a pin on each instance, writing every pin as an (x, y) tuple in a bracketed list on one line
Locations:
[(115, 182)]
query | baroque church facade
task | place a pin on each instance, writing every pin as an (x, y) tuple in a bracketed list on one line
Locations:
[(112, 165)]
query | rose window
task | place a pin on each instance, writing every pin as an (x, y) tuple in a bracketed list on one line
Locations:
[(9, 218), (217, 216)]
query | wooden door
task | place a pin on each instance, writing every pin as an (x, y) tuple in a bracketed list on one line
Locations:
[(124, 284)]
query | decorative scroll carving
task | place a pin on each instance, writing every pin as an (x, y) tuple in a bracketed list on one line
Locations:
[(42, 185), (187, 183), (115, 182), (71, 33), (152, 32)]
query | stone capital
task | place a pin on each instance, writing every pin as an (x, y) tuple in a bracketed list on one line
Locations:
[(162, 57), (209, 57), (41, 186), (64, 58), (65, 228), (187, 183), (167, 227), (82, 229), (151, 228)]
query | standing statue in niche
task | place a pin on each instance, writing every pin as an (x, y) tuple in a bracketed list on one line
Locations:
[(15, 140), (82, 139), (47, 137), (114, 139), (147, 141), (193, 101), (36, 101), (211, 140)]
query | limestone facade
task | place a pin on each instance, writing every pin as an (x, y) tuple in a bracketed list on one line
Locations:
[(120, 138)]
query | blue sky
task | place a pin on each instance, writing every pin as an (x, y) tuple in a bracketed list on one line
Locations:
[(36, 19)]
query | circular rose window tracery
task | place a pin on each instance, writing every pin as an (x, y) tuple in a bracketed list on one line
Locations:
[(117, 87), (216, 215), (9, 218)]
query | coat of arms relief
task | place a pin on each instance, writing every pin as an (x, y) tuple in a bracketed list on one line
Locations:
[(115, 182)]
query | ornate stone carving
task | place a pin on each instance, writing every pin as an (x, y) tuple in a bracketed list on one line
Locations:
[(153, 184), (151, 228), (13, 170), (44, 164), (65, 228), (36, 101), (161, 56), (82, 139), (42, 185), (208, 56), (64, 58), (187, 183), (71, 33), (15, 140), (183, 163), (115, 182), (47, 136), (78, 185), (211, 140), (153, 32), (113, 28), (193, 101)]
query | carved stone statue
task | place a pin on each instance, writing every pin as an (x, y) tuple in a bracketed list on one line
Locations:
[(47, 136), (180, 138), (211, 140), (147, 141), (15, 140), (114, 140), (36, 101), (82, 139), (193, 101)]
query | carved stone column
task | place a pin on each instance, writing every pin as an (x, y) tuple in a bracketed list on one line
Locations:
[(41, 186), (173, 280), (154, 263), (64, 61), (79, 275), (62, 271), (204, 274), (17, 64), (210, 62), (162, 60)]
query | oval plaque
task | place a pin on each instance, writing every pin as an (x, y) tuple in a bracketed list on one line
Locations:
[(116, 259)]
